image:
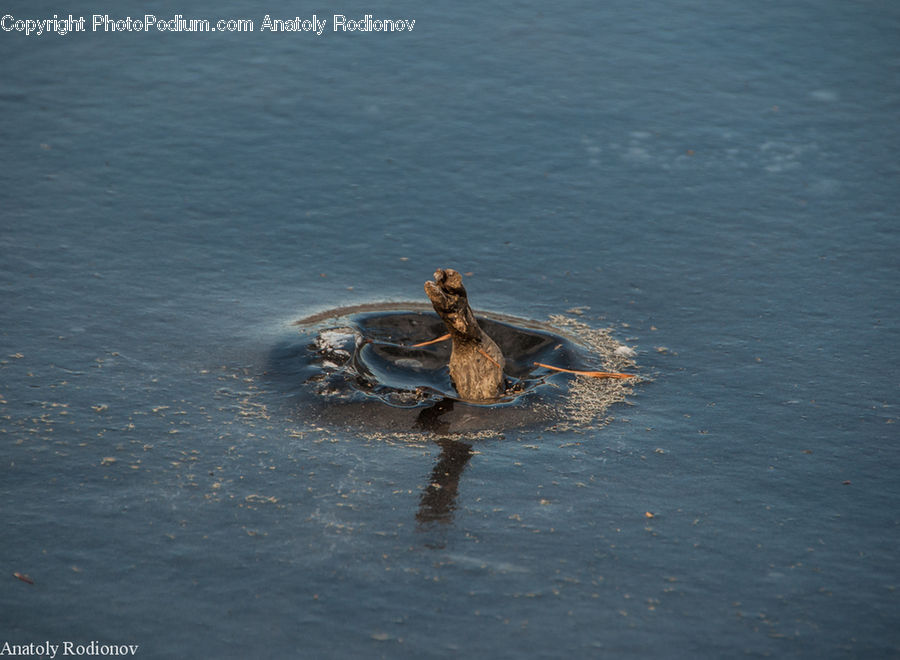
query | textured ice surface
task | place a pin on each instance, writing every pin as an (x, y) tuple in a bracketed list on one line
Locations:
[(716, 182)]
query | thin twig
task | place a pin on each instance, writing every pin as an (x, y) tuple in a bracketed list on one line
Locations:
[(433, 341), (497, 364), (592, 374)]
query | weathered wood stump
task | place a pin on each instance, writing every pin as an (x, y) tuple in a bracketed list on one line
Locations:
[(476, 362)]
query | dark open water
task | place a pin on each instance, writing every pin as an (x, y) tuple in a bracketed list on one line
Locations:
[(720, 184)]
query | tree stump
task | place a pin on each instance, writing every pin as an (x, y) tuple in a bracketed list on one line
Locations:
[(476, 362)]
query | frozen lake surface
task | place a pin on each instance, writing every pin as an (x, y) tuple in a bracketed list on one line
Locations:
[(718, 186)]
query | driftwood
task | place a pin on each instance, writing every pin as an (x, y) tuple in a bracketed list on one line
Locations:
[(476, 362)]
